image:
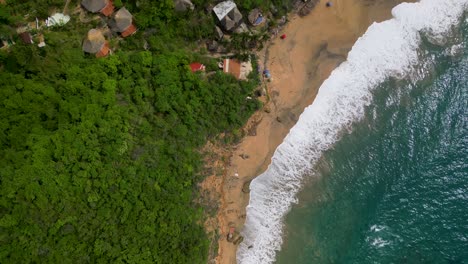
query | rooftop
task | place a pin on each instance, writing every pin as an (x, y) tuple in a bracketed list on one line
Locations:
[(223, 8), (122, 20), (94, 41), (94, 5)]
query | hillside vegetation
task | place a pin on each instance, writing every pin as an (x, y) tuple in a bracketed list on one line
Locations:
[(98, 157)]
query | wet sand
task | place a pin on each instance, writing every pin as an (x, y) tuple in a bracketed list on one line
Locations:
[(314, 46)]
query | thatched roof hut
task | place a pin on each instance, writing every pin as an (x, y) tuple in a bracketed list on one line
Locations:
[(104, 6), (95, 43), (94, 5), (123, 22)]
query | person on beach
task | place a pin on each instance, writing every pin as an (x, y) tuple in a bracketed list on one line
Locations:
[(328, 4)]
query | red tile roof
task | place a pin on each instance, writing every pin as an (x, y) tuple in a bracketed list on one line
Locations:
[(232, 67), (104, 50), (129, 31), (196, 66), (108, 9)]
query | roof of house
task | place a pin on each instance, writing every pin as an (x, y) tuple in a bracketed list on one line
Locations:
[(122, 20), (228, 23), (236, 15), (232, 67), (94, 5), (108, 9), (104, 51), (94, 41), (129, 31), (223, 8), (196, 66), (238, 69), (26, 37)]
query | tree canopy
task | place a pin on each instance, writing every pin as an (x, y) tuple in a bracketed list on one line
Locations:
[(99, 157)]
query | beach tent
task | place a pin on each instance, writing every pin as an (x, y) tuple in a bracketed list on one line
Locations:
[(58, 19)]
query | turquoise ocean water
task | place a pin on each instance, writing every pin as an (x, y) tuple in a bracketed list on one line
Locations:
[(395, 189), (376, 169)]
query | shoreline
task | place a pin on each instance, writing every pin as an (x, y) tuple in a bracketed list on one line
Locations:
[(315, 45)]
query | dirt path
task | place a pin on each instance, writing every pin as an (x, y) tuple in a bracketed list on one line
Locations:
[(65, 8)]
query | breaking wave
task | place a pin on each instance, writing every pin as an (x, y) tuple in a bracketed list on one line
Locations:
[(389, 49)]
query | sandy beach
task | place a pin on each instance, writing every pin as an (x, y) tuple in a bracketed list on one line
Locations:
[(314, 46)]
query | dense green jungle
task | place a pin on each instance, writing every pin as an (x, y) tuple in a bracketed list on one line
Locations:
[(99, 158)]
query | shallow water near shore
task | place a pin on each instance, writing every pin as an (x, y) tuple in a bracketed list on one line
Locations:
[(394, 190), (347, 157)]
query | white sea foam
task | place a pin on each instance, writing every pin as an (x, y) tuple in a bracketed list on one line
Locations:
[(379, 242), (377, 228), (387, 49)]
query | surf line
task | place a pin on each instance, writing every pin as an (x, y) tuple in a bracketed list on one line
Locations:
[(387, 50)]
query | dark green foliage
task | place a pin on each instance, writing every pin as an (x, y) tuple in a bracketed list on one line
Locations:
[(32, 9), (98, 158)]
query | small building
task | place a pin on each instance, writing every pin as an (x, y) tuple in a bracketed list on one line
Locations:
[(105, 7), (196, 66), (95, 43), (236, 68), (26, 38), (228, 15), (122, 23)]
